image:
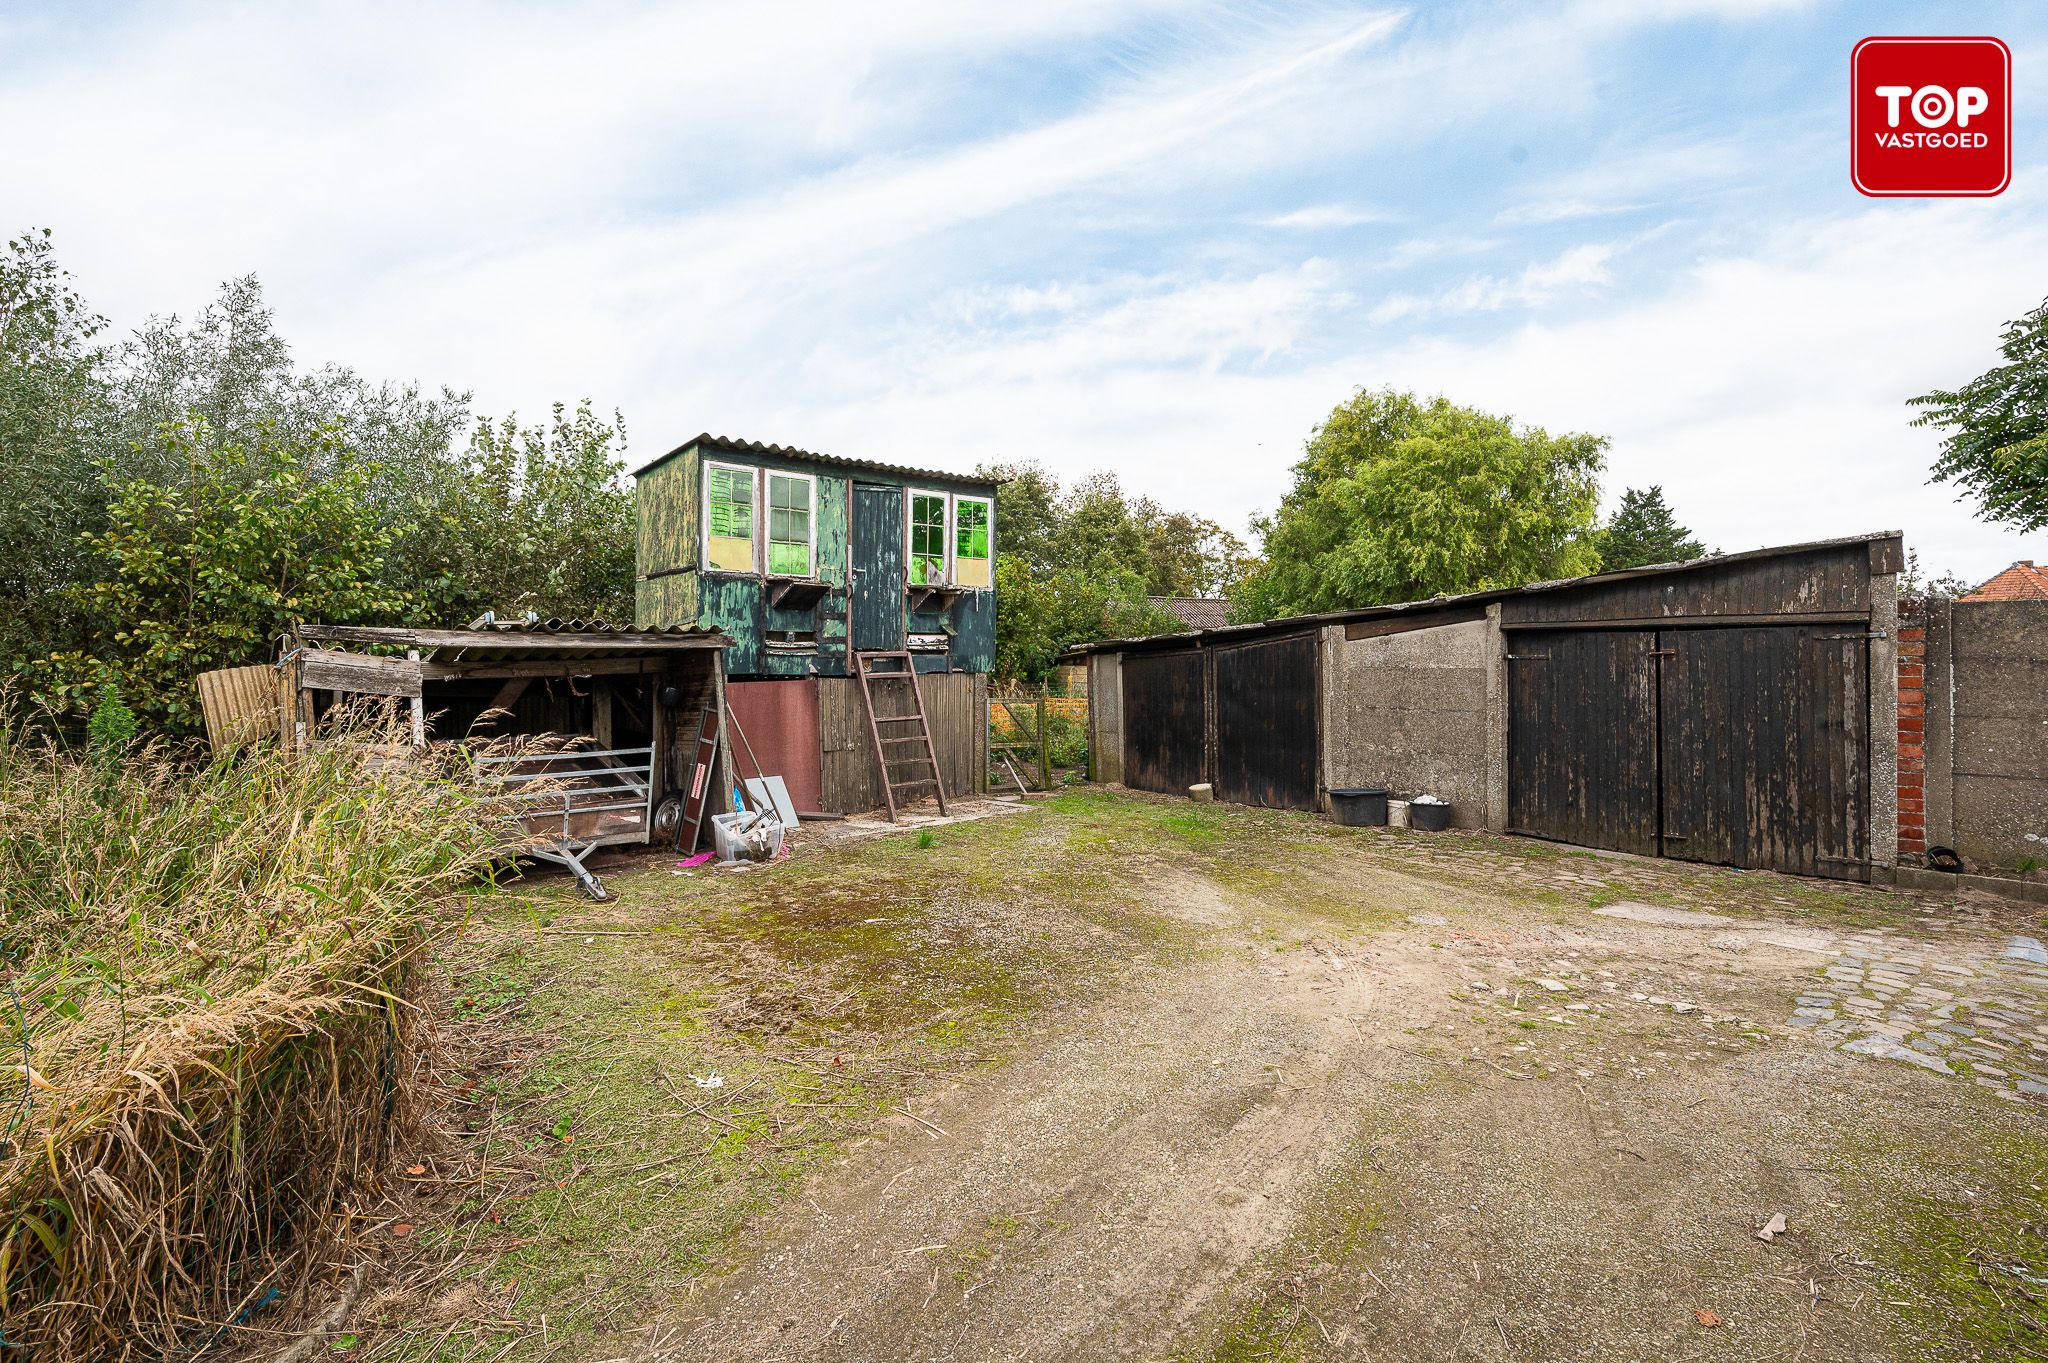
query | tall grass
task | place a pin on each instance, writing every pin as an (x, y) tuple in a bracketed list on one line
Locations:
[(212, 966)]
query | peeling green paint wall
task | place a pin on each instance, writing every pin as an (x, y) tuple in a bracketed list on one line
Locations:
[(672, 589)]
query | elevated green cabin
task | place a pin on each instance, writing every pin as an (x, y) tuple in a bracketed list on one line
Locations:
[(792, 554)]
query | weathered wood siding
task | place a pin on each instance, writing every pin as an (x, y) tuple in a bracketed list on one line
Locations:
[(1165, 721), (1268, 722), (1830, 581), (956, 706), (1582, 737), (665, 542)]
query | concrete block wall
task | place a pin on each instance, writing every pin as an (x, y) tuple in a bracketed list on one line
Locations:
[(1972, 687), (1415, 713)]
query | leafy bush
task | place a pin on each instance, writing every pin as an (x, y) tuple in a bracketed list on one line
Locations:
[(212, 965)]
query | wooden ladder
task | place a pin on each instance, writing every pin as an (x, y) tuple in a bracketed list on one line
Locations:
[(904, 669)]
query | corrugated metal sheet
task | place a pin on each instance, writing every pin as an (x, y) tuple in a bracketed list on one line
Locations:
[(507, 642), (707, 441)]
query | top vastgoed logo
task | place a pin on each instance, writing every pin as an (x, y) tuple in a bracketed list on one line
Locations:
[(1930, 117)]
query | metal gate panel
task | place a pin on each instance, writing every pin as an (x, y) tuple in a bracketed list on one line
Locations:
[(1582, 737), (877, 591), (1267, 723), (1765, 742), (1165, 721)]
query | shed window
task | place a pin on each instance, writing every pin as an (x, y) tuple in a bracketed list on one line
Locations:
[(728, 518), (789, 524), (971, 546), (927, 538)]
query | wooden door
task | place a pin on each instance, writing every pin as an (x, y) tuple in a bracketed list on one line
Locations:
[(877, 591), (1165, 721), (1268, 729), (1765, 748), (1582, 737)]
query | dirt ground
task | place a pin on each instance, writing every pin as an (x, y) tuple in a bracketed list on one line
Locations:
[(1121, 1077)]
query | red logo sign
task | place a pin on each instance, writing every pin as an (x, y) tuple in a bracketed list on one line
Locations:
[(1930, 117)]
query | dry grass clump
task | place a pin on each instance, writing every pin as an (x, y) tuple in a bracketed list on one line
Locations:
[(206, 1047)]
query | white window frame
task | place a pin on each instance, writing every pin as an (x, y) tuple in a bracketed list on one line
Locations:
[(910, 496), (953, 538), (704, 517), (766, 514)]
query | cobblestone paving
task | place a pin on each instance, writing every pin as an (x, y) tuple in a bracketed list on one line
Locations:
[(1968, 1013)]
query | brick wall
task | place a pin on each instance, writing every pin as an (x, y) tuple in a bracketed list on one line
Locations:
[(1912, 684)]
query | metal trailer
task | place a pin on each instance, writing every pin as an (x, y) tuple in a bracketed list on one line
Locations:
[(577, 801)]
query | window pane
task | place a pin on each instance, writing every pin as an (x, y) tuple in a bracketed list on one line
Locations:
[(729, 513), (970, 533), (789, 560), (731, 503)]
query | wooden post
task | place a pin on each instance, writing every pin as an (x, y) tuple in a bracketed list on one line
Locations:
[(1044, 748), (601, 713), (419, 709)]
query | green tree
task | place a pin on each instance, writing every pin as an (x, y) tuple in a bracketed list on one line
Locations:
[(207, 571), (1400, 499), (542, 520), (1997, 423), (1644, 531), (1040, 615), (1027, 511), (54, 416)]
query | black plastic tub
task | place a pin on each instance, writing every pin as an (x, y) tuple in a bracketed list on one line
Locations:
[(1359, 806), (1429, 818)]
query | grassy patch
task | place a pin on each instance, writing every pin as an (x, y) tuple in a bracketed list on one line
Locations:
[(818, 995)]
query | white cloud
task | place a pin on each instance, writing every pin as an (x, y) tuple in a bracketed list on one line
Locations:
[(1324, 216), (1577, 270)]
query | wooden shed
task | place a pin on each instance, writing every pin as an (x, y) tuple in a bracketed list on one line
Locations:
[(835, 580), (617, 726), (1719, 710)]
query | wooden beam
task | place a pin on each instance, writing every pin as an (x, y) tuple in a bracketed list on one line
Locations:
[(543, 667), (509, 639), (324, 669), (1403, 624)]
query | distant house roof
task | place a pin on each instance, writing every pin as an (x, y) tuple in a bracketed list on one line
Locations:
[(707, 441), (2021, 582), (1196, 612)]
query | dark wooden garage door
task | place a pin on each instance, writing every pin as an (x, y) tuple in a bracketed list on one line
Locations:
[(1742, 747), (1267, 725), (1165, 721), (1765, 748), (1582, 737)]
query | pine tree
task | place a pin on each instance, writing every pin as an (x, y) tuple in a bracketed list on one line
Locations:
[(1644, 531)]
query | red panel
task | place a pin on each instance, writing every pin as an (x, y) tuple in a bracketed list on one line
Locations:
[(780, 720)]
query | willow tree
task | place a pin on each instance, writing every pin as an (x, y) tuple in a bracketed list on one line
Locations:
[(1399, 498)]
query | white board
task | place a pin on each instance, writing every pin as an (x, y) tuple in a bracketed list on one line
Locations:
[(771, 792)]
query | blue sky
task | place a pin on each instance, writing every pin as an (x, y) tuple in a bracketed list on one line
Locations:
[(1158, 239)]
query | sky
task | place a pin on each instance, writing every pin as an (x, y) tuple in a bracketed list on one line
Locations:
[(1162, 240)]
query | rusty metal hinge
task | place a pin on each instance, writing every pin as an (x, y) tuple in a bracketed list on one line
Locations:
[(1663, 653), (1858, 634)]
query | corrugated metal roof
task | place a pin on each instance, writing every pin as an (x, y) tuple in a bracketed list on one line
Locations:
[(731, 446), (510, 641), (1292, 622)]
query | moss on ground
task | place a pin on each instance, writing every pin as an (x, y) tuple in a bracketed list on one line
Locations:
[(1958, 1231)]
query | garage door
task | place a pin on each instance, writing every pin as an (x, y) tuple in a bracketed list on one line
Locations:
[(1165, 721), (1267, 725), (1582, 737), (1742, 747), (1765, 745)]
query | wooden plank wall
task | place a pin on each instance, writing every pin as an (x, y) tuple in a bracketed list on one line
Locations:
[(1830, 581), (240, 704), (956, 705)]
